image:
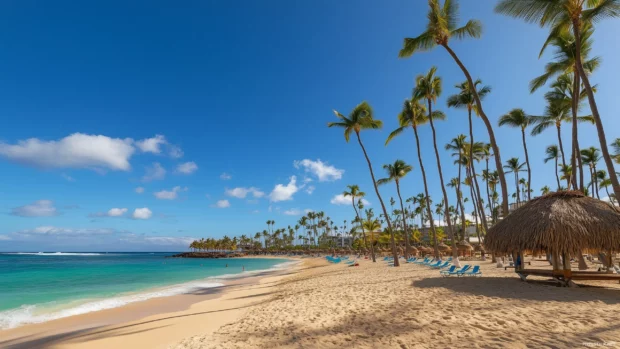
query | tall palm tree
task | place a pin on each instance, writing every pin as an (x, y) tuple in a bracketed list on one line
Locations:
[(545, 190), (355, 193), (567, 173), (465, 99), (561, 16), (414, 114), (429, 87), (441, 27), (590, 156), (518, 118), (458, 145), (513, 166), (553, 153), (361, 118), (616, 145), (396, 172)]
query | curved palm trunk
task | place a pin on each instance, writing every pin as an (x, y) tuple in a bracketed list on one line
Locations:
[(475, 179), (594, 108), (596, 182), (476, 211), (372, 251), (428, 202), (459, 197), (487, 123), (576, 151), (527, 162), (406, 231), (455, 255), (557, 176), (490, 202), (558, 127), (387, 217)]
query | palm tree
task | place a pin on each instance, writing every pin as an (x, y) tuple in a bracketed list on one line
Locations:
[(567, 173), (429, 87), (441, 27), (590, 156), (396, 172), (414, 114), (561, 16), (616, 146), (371, 225), (355, 192), (552, 152), (465, 99), (458, 145), (513, 166), (361, 118), (518, 118), (545, 190)]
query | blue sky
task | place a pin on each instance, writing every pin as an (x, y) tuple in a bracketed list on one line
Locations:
[(98, 97)]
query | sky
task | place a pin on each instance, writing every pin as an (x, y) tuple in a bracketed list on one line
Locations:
[(139, 126)]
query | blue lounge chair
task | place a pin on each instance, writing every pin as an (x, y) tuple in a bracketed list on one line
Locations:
[(457, 272), (426, 260), (411, 260), (445, 272), (474, 272), (441, 266), (435, 265)]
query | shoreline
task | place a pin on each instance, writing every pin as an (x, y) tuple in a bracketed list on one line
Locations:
[(98, 328)]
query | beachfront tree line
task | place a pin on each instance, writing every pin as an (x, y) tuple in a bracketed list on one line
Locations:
[(572, 24)]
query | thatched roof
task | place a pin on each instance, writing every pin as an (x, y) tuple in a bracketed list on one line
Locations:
[(562, 222), (443, 247), (464, 245)]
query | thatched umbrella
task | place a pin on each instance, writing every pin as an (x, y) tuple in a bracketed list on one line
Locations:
[(463, 247), (563, 224), (400, 250), (412, 251)]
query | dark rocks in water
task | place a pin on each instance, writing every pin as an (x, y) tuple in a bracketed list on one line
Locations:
[(207, 255)]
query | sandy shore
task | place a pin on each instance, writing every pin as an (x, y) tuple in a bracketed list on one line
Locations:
[(318, 305), (375, 306), (154, 323)]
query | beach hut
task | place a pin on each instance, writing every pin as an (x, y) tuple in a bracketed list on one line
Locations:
[(442, 248), (413, 252), (464, 248), (563, 224)]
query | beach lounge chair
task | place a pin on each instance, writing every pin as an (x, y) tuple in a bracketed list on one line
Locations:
[(474, 272), (411, 260), (441, 266), (457, 272), (422, 261), (435, 265), (448, 271)]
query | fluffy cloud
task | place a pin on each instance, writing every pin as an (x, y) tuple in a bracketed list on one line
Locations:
[(293, 212), (152, 145), (54, 231), (241, 193), (4, 238), (41, 208), (142, 213), (225, 176), (169, 194), (187, 168), (157, 240), (113, 212), (310, 189), (283, 192), (154, 172), (139, 190), (222, 204), (75, 151), (340, 199), (320, 169), (175, 152)]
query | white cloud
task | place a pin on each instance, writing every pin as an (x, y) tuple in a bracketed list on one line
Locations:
[(241, 193), (4, 238), (222, 204), (154, 172), (225, 176), (41, 208), (152, 145), (75, 151), (139, 190), (310, 189), (255, 211), (169, 194), (187, 168), (608, 199), (175, 152), (113, 212), (340, 199), (67, 177), (283, 192), (142, 213), (292, 212), (49, 230), (308, 210), (320, 169), (157, 240)]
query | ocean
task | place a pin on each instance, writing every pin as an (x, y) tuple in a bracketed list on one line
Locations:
[(38, 287)]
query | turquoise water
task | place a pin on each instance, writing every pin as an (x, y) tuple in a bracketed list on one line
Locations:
[(45, 286)]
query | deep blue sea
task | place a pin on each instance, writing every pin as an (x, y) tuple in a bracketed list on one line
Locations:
[(38, 287)]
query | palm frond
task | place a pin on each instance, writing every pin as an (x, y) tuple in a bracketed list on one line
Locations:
[(603, 9), (383, 181), (438, 115), (541, 125), (586, 118), (472, 29), (423, 42), (394, 133), (541, 11)]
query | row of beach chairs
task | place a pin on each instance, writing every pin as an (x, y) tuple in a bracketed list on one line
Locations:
[(446, 268)]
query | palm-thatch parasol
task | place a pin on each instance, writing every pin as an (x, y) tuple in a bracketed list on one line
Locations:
[(412, 251), (562, 223), (464, 247), (443, 247)]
